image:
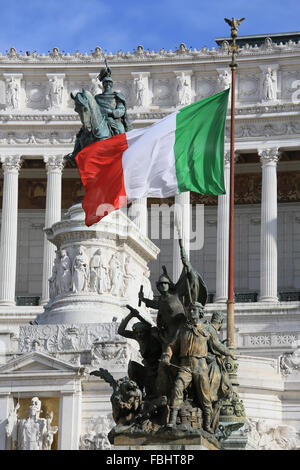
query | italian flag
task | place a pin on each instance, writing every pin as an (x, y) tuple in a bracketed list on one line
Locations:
[(182, 152)]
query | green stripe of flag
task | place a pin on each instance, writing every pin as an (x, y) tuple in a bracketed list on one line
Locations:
[(199, 145)]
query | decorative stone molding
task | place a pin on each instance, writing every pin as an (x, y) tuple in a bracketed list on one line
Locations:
[(67, 338), (141, 55), (269, 340), (89, 345), (37, 138)]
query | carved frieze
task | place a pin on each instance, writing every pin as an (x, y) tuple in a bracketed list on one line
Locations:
[(269, 340), (37, 137), (62, 338), (77, 270)]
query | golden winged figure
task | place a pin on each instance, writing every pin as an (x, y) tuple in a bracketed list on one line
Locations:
[(233, 23)]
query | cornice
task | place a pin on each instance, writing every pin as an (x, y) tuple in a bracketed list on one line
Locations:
[(140, 55)]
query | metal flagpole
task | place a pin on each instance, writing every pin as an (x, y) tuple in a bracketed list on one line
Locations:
[(232, 413), (233, 48)]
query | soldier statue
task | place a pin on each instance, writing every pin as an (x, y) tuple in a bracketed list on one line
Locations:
[(150, 349), (112, 104), (191, 345)]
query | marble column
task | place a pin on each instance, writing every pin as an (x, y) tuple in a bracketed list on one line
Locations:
[(69, 420), (11, 166), (182, 214), (223, 237), (54, 167), (5, 402), (268, 237), (139, 214)]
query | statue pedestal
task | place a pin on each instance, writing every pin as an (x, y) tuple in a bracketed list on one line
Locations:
[(123, 443), (97, 270), (237, 442), (166, 441)]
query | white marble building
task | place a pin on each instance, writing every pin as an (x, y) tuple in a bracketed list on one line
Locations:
[(38, 126)]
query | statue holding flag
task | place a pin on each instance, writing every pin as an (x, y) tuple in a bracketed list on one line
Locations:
[(175, 299)]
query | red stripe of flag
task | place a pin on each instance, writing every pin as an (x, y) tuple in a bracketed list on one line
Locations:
[(101, 172)]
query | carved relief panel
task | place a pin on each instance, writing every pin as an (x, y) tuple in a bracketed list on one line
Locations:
[(124, 87), (164, 90), (248, 88), (74, 86), (36, 94), (78, 270), (206, 85), (290, 86)]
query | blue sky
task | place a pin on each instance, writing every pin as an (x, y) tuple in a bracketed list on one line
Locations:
[(70, 25)]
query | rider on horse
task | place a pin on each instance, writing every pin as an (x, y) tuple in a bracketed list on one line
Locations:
[(102, 116)]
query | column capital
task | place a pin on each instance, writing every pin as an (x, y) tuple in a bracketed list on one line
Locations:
[(11, 163), (227, 157), (54, 163), (269, 156)]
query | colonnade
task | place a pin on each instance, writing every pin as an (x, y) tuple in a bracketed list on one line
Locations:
[(11, 165)]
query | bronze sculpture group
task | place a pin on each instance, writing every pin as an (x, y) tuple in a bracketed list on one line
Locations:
[(182, 383)]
